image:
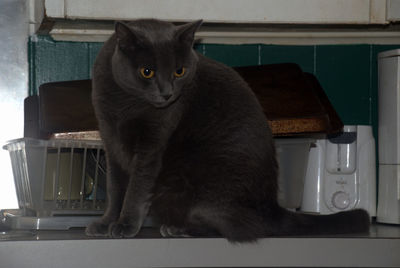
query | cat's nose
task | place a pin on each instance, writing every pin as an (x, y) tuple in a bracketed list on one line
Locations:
[(167, 96)]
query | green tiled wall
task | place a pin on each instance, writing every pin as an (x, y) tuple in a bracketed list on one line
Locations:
[(348, 73), (302, 55), (242, 55), (344, 73)]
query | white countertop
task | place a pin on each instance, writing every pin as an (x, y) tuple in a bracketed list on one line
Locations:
[(381, 248)]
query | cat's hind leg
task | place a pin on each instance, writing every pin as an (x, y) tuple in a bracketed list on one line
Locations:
[(236, 223), (173, 231), (187, 231)]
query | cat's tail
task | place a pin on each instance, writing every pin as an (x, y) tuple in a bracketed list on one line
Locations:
[(347, 222)]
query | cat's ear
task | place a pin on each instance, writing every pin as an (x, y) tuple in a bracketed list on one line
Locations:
[(127, 37), (185, 33)]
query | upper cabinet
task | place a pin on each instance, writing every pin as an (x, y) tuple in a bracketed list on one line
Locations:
[(298, 22), (231, 11)]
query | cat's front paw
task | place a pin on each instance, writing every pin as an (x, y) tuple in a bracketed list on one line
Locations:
[(123, 230), (97, 228)]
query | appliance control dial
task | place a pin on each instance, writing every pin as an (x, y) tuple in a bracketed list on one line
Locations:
[(341, 200)]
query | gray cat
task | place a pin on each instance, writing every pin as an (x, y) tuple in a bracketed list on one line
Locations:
[(186, 138)]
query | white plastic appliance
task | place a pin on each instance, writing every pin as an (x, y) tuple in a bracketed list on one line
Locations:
[(341, 173), (389, 136)]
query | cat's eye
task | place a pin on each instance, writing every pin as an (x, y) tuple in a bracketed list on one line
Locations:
[(147, 73), (180, 72)]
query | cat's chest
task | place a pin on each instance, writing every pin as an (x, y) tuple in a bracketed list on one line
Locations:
[(145, 133)]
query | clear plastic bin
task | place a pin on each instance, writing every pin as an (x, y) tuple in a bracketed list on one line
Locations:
[(58, 178)]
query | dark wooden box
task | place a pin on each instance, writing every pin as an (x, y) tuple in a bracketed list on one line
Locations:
[(293, 101)]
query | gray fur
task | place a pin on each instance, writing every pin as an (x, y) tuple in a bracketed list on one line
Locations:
[(196, 150)]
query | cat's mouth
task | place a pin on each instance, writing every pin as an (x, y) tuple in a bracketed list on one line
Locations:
[(160, 102)]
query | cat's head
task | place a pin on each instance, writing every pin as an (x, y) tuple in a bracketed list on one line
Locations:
[(154, 59)]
